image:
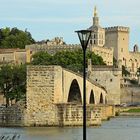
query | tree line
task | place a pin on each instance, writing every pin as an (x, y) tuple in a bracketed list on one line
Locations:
[(15, 38)]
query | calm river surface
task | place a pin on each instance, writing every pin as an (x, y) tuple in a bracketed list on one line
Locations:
[(115, 129)]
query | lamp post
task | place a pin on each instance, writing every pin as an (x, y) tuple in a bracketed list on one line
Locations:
[(84, 36)]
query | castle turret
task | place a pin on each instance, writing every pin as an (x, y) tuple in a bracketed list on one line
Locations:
[(118, 38)]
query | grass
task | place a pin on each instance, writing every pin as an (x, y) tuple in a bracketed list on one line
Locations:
[(134, 110)]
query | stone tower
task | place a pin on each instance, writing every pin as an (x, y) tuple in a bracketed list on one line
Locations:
[(98, 33), (118, 38)]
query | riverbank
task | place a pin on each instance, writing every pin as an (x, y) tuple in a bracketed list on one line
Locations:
[(130, 111), (129, 114)]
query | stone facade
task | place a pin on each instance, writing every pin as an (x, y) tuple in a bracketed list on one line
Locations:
[(12, 116), (118, 38), (15, 56), (105, 53), (109, 77), (40, 96), (72, 115), (130, 95)]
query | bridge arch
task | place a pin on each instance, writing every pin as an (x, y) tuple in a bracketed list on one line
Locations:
[(74, 94), (101, 99), (106, 100), (92, 98)]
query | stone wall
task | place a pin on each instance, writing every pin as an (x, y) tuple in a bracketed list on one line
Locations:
[(130, 95), (11, 116), (109, 77), (40, 109), (52, 49), (107, 111), (72, 115), (14, 56), (104, 52)]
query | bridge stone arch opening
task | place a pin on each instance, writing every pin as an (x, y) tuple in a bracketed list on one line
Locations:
[(74, 95), (101, 99), (91, 99)]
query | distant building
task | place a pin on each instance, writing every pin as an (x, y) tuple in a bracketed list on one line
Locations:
[(97, 41), (114, 42), (14, 56), (109, 77)]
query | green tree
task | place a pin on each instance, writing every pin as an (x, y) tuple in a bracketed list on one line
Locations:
[(13, 82), (41, 58), (6, 81), (68, 59), (18, 82), (14, 38)]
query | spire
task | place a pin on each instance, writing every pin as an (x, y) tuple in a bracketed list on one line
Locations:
[(95, 17), (95, 12)]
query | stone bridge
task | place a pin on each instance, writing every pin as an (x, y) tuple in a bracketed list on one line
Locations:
[(73, 89), (63, 85), (50, 86)]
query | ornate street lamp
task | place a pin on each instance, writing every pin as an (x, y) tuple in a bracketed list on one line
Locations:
[(84, 36)]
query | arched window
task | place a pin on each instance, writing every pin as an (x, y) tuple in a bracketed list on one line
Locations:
[(74, 93)]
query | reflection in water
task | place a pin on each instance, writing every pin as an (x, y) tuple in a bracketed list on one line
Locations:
[(115, 129)]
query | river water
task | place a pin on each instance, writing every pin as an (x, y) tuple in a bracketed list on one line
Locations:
[(116, 129)]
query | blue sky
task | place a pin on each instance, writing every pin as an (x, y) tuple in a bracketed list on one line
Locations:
[(46, 19)]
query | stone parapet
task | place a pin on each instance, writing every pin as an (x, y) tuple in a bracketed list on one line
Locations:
[(117, 28)]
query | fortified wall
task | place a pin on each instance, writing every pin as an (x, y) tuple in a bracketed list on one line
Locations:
[(109, 77), (52, 49), (130, 95)]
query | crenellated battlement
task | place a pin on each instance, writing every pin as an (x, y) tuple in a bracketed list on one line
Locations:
[(117, 28), (50, 47)]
